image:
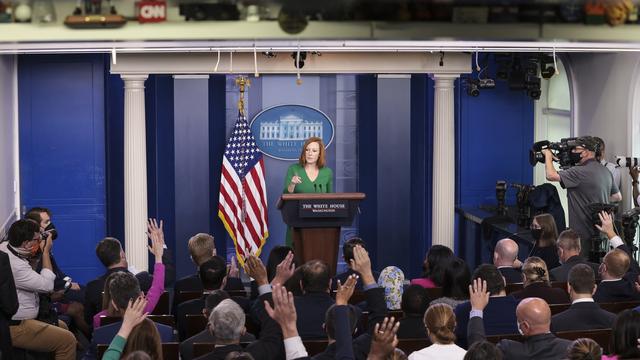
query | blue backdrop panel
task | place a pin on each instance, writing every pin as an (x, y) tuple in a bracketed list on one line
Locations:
[(61, 104)]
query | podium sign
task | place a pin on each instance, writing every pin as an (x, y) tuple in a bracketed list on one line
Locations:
[(323, 208)]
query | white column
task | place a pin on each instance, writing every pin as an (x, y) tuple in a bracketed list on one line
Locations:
[(443, 161), (135, 172)]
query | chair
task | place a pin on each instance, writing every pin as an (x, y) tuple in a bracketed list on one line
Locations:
[(496, 338), (618, 307), (434, 293), (411, 345), (168, 320), (195, 324), (162, 307), (601, 336), (315, 347), (558, 308), (513, 287), (170, 351), (183, 296), (200, 349)]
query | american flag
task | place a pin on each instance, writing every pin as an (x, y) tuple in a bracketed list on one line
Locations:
[(243, 195)]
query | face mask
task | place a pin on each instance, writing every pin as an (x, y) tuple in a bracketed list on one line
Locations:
[(34, 250), (575, 158), (536, 234), (519, 329)]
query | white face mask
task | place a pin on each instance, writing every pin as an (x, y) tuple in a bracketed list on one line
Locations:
[(519, 329)]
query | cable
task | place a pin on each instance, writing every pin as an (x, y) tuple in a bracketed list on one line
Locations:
[(298, 79), (255, 62), (217, 62), (231, 62), (113, 56), (555, 64), (477, 65)]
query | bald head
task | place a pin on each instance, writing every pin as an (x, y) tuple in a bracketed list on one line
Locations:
[(534, 316), (616, 264), (505, 253)]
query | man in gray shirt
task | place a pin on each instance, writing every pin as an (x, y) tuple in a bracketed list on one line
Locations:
[(588, 182)]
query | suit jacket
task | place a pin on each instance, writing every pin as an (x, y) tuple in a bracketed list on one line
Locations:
[(543, 291), (104, 335), (195, 306), (561, 273), (613, 291), (412, 327), (499, 318), (377, 308), (93, 291), (311, 309), (511, 275), (8, 305), (268, 346), (536, 347), (582, 316), (205, 336), (193, 283)]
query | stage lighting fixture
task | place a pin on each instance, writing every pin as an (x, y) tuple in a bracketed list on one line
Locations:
[(299, 64), (269, 54), (516, 75), (532, 83), (473, 87), (487, 83), (547, 69)]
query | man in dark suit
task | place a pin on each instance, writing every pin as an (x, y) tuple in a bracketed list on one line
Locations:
[(213, 276), (347, 254), (376, 306), (504, 258), (569, 254), (414, 304), (584, 313), (205, 336), (123, 288), (8, 305), (614, 287), (227, 323), (111, 255), (500, 313), (534, 320), (315, 301), (201, 248)]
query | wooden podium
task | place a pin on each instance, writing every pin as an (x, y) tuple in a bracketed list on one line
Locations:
[(315, 220)]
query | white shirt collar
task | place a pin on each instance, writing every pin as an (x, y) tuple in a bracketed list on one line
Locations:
[(610, 280), (582, 300)]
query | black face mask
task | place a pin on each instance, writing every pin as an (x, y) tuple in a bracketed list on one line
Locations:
[(536, 234), (50, 229), (575, 158)]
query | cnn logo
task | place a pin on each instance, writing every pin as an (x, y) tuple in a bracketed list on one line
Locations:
[(152, 11)]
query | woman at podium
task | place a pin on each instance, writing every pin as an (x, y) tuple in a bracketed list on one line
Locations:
[(308, 175)]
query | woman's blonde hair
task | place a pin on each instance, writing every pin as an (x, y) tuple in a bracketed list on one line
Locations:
[(584, 349), (321, 159), (145, 337), (535, 270), (441, 323)]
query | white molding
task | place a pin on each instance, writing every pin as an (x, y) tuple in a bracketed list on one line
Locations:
[(16, 138), (7, 222)]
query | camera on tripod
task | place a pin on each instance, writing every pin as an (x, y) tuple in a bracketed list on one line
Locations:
[(625, 161), (629, 220)]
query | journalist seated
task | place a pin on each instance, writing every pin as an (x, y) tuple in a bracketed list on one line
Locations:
[(504, 258)]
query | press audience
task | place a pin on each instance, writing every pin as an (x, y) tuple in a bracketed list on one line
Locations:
[(614, 287), (414, 304), (545, 234), (536, 283), (455, 287), (433, 267), (440, 322), (625, 335), (569, 255), (504, 258)]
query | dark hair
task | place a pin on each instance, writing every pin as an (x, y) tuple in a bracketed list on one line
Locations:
[(34, 214), (329, 319), (277, 254), (293, 284), (457, 278), (315, 276), (123, 286), (347, 248), (584, 349), (625, 335), (212, 273), (108, 251), (549, 230), (493, 277), (582, 279), (435, 263), (22, 231), (145, 337), (214, 298), (483, 350), (239, 355), (415, 300), (137, 355), (601, 147)]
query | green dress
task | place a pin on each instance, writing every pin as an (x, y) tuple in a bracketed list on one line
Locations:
[(322, 184)]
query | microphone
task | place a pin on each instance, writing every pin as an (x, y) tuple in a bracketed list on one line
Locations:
[(320, 187), (315, 188)]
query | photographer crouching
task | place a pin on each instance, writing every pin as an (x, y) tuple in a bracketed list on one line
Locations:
[(587, 182)]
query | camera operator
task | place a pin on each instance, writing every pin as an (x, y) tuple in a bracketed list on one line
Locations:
[(613, 168), (633, 171), (586, 183)]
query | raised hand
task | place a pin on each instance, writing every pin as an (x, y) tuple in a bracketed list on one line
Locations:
[(362, 264), (283, 311), (234, 272), (156, 236), (345, 291), (607, 224), (253, 267), (478, 295), (133, 316), (284, 270), (384, 339)]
